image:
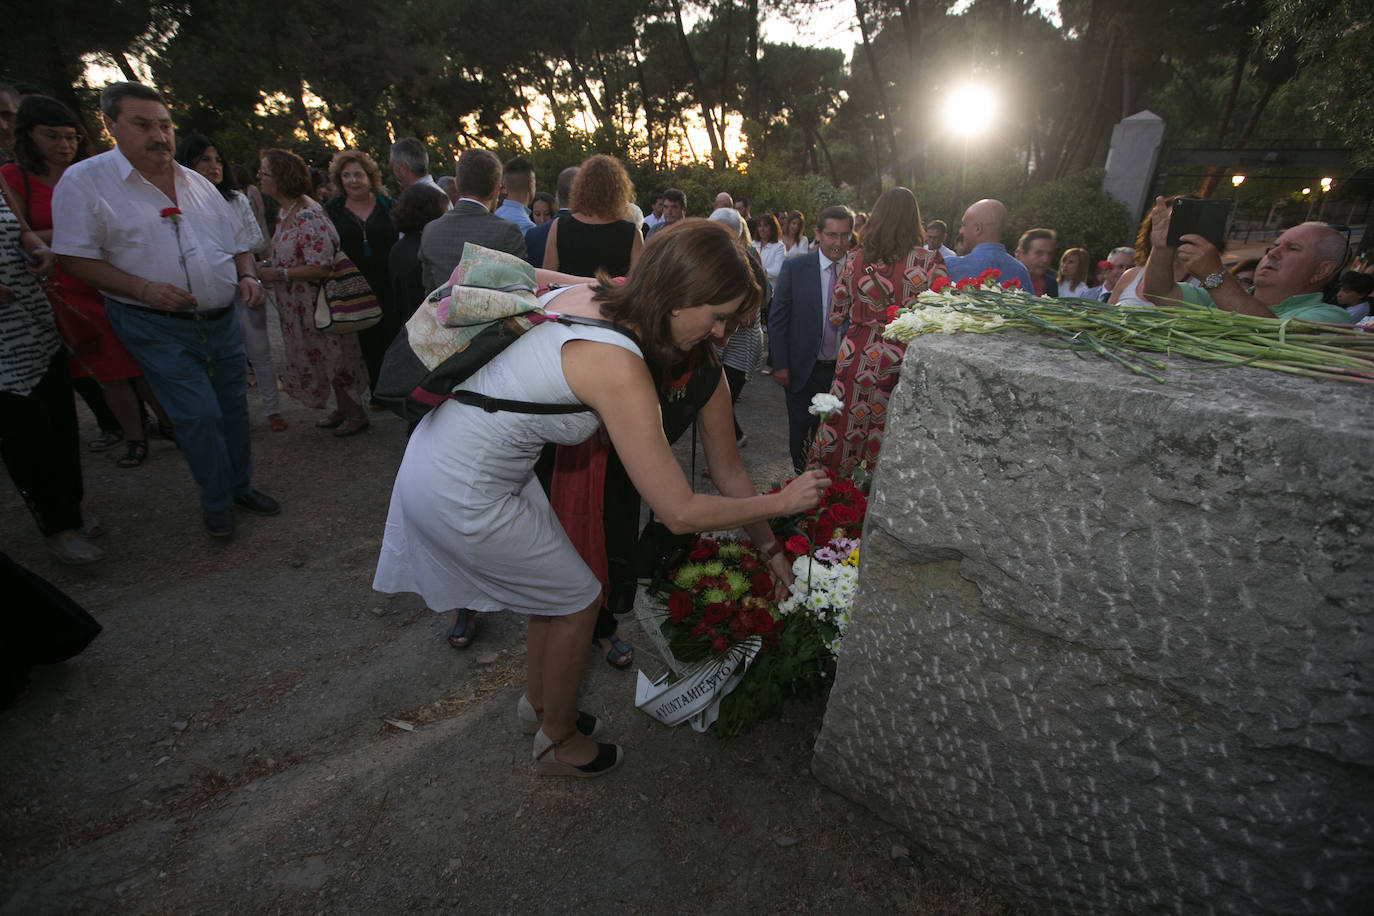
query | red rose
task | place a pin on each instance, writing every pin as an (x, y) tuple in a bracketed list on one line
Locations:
[(749, 563), (720, 644), (825, 530), (702, 552), (169, 211), (892, 311), (760, 621), (1013, 283), (701, 629), (679, 607), (739, 629), (760, 585), (717, 612), (843, 515), (797, 545), (939, 283)]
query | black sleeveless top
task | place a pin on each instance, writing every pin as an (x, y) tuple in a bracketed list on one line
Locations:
[(585, 248)]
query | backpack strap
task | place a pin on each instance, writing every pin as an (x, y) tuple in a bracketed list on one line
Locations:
[(493, 405)]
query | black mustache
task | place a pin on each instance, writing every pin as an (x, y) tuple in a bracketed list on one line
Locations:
[(159, 146)]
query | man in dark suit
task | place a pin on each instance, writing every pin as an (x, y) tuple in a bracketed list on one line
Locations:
[(470, 220), (536, 239), (802, 343)]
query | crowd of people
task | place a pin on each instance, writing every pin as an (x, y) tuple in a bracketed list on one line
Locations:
[(157, 260)]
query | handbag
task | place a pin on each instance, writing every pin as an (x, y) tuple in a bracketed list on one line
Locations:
[(77, 329), (345, 303)]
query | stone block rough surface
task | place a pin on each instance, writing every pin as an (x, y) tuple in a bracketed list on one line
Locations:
[(1111, 645)]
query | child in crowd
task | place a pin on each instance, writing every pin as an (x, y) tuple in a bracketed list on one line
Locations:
[(1354, 293)]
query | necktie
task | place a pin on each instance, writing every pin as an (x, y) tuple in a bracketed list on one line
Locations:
[(829, 332)]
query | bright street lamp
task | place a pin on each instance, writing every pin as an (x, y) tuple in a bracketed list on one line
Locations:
[(1326, 185), (968, 111), (1237, 180)]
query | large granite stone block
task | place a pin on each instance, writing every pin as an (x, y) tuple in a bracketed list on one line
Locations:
[(1111, 647)]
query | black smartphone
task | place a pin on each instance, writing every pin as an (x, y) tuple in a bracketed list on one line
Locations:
[(1196, 216)]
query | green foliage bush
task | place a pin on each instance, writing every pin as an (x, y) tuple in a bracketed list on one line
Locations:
[(1075, 207)]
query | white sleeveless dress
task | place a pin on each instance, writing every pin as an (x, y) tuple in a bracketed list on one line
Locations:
[(469, 526)]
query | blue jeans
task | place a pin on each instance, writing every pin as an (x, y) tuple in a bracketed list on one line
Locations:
[(801, 423), (197, 371)]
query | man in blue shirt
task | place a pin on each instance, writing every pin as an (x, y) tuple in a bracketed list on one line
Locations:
[(518, 180), (982, 228)]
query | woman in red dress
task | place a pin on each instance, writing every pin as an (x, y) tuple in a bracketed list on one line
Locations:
[(889, 268), (47, 139)]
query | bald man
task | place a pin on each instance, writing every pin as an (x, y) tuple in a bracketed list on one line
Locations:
[(1288, 281), (982, 228)]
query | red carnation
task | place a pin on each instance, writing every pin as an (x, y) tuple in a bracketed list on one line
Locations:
[(1013, 283), (760, 585), (169, 211), (939, 283), (760, 621), (965, 283), (892, 312), (797, 545), (720, 644), (679, 607)]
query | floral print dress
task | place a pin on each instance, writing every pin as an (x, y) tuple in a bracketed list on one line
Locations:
[(314, 359), (867, 366)]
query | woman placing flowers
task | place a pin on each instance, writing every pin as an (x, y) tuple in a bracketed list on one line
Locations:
[(470, 527)]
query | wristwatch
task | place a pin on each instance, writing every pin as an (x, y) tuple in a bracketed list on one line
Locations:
[(1212, 281)]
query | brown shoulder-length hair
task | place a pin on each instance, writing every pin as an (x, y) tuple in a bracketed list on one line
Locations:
[(771, 221), (893, 228), (693, 262), (601, 189), (289, 171), (343, 158), (1085, 267)]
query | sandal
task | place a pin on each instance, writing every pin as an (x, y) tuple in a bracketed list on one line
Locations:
[(106, 440), (135, 451), (276, 422), (464, 629), (333, 421), (620, 649)]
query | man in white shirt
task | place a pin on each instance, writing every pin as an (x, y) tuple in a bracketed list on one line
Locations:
[(937, 231), (172, 259), (655, 217), (410, 165)]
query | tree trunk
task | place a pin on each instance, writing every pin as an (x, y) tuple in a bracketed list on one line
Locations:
[(1228, 108), (878, 86), (755, 92), (717, 148)]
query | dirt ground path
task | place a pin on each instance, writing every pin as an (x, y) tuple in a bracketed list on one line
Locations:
[(221, 747)]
